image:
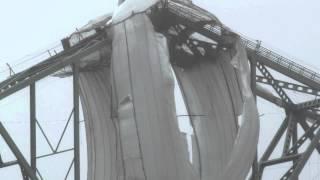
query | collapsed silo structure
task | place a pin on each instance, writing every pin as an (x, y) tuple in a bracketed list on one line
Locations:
[(128, 101)]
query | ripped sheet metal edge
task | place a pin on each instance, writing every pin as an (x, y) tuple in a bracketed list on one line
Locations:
[(245, 146), (145, 103), (102, 144), (241, 153)]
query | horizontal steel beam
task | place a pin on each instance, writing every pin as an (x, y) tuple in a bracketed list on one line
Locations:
[(7, 164), (312, 116), (286, 71), (280, 160), (288, 85), (11, 163), (308, 104), (295, 87), (269, 97)]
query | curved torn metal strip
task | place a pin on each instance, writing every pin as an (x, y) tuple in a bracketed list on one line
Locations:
[(146, 109), (100, 130), (207, 89), (245, 146)]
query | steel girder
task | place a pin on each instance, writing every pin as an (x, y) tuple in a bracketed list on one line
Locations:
[(294, 87), (30, 171), (283, 95), (49, 66), (288, 85), (28, 78), (269, 97), (291, 145), (308, 104), (297, 167)]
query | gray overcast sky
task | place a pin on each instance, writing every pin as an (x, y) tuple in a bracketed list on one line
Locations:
[(27, 26)]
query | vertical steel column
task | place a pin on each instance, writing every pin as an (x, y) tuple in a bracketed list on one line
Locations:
[(289, 133), (33, 125), (295, 136), (76, 121), (294, 141), (15, 150)]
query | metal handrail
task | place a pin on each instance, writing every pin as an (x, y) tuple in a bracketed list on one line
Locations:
[(282, 61)]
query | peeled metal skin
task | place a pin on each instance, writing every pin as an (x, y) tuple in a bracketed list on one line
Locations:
[(144, 103), (245, 145), (102, 146), (211, 93), (216, 93)]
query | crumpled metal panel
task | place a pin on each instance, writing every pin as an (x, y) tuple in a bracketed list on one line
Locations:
[(216, 93), (132, 130), (150, 138)]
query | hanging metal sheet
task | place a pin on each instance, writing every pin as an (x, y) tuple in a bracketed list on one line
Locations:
[(102, 143), (216, 93), (149, 133)]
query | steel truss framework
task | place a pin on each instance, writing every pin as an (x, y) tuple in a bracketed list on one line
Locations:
[(185, 22), (262, 59), (69, 57), (30, 171)]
